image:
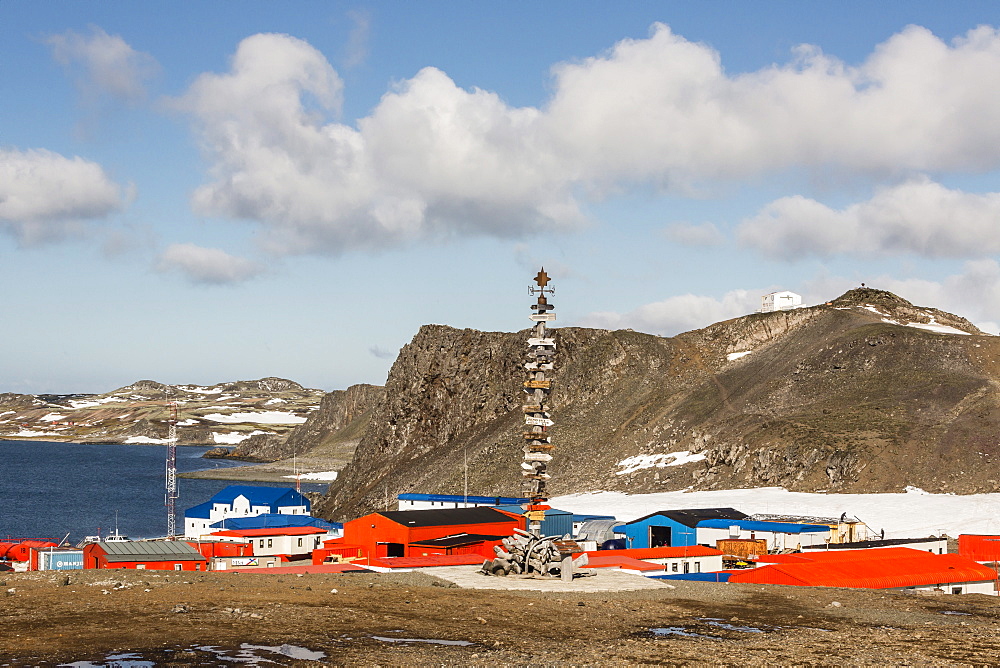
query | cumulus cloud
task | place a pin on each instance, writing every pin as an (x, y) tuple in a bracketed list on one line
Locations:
[(103, 64), (433, 160), (208, 266), (919, 216), (45, 196), (677, 314), (689, 234)]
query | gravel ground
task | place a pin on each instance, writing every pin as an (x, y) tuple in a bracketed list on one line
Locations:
[(181, 619)]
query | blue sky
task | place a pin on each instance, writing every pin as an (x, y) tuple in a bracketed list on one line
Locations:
[(199, 192)]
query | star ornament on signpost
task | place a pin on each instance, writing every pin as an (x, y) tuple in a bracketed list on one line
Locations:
[(542, 280)]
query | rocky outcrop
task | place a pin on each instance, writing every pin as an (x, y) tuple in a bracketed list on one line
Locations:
[(342, 414), (849, 396)]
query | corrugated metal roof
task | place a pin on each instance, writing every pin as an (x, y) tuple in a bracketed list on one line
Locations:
[(871, 569), (152, 550), (273, 531), (771, 527), (446, 516)]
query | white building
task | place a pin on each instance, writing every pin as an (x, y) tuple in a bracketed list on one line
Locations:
[(243, 501), (780, 301)]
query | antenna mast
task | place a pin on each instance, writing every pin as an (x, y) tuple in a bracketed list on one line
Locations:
[(170, 497)]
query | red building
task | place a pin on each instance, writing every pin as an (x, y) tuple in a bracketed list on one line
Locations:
[(887, 568), (978, 547), (419, 533), (161, 555)]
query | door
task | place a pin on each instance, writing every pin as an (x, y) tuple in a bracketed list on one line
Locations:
[(394, 550), (659, 536)]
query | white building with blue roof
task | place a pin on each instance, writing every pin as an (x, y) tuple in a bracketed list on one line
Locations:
[(243, 501)]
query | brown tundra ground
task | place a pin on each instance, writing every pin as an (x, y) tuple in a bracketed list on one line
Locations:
[(204, 619)]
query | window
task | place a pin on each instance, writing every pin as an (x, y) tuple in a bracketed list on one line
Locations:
[(300, 542), (697, 567), (269, 542), (673, 567), (140, 567), (956, 590), (178, 567), (262, 542)]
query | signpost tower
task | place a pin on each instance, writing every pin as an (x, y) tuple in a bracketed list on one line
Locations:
[(537, 418)]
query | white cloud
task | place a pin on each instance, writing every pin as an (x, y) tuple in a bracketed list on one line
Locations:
[(663, 109), (433, 160), (45, 196), (103, 64), (356, 51), (689, 234), (918, 216), (677, 314), (209, 266)]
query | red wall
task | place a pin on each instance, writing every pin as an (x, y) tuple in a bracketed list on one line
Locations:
[(94, 557), (979, 547), (210, 549), (371, 530)]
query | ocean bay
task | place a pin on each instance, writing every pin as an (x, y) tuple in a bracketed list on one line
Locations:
[(49, 489)]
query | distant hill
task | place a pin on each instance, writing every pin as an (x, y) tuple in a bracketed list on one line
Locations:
[(866, 393), (223, 414)]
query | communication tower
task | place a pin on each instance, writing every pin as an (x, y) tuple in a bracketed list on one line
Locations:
[(170, 497)]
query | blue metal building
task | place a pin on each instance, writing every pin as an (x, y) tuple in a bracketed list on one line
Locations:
[(673, 528)]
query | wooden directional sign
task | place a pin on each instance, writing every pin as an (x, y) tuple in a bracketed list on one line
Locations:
[(542, 317), (535, 515), (538, 384), (534, 408), (537, 436), (537, 457), (542, 342), (541, 354), (543, 307), (539, 447), (537, 421), (539, 366)]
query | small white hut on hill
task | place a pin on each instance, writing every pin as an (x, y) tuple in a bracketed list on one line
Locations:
[(780, 301)]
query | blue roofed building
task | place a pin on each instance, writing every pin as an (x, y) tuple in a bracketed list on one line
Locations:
[(779, 535), (438, 501), (673, 528), (556, 522), (279, 521), (243, 501)]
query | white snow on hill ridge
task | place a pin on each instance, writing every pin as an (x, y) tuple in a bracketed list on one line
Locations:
[(909, 514)]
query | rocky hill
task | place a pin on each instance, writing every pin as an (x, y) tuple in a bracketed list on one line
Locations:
[(867, 393), (227, 413)]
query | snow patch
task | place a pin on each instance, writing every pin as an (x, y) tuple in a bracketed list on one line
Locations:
[(52, 417), (910, 514), (234, 437), (276, 400), (639, 462), (27, 433), (199, 390), (736, 356), (935, 326), (265, 417), (187, 423), (146, 439), (322, 476)]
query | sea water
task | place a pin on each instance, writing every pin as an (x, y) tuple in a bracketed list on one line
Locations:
[(48, 490)]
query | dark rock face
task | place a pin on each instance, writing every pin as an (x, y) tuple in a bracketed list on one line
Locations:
[(217, 453), (839, 397), (338, 412)]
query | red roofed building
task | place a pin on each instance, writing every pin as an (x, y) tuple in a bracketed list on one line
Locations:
[(418, 533), (981, 548), (888, 568)]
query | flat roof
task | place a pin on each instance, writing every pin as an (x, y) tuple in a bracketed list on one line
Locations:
[(447, 516), (152, 550)]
